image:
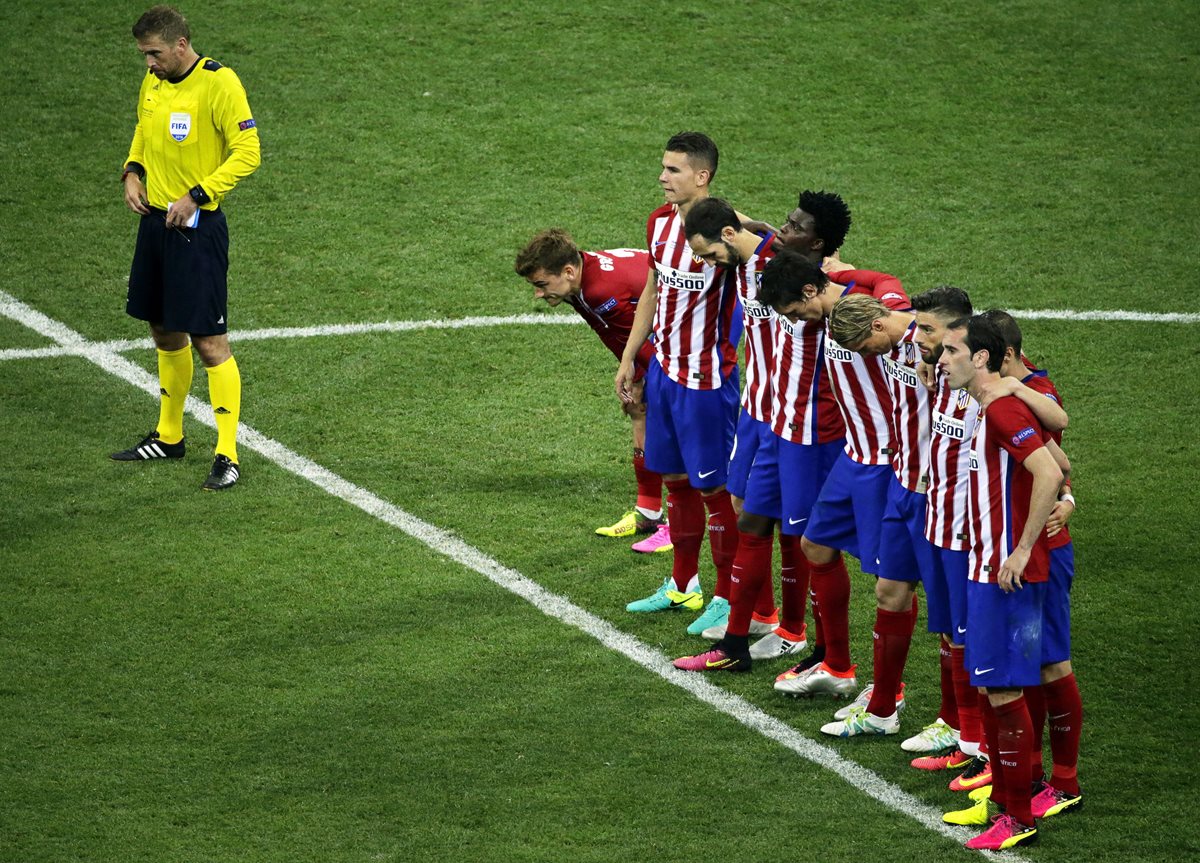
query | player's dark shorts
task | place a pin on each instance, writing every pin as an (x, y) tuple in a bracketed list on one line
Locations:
[(690, 431), (786, 479), (1056, 610), (906, 555), (949, 582), (745, 450), (178, 276), (849, 510), (1004, 635)]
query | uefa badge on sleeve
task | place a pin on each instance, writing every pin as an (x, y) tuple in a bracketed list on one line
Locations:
[(181, 126)]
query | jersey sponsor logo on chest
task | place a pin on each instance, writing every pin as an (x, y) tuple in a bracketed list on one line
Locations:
[(835, 352), (948, 426), (181, 125), (679, 280), (904, 375), (755, 309)]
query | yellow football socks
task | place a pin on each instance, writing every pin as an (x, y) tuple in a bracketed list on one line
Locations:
[(225, 393), (174, 381)]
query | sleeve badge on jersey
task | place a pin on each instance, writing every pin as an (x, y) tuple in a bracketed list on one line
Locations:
[(607, 305), (1023, 435), (246, 124)]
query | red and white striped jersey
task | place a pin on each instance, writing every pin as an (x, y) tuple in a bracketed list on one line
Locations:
[(910, 413), (955, 414), (860, 383), (1000, 490), (804, 409), (696, 325), (759, 321)]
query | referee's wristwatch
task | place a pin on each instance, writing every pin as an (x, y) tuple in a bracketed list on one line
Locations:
[(198, 195)]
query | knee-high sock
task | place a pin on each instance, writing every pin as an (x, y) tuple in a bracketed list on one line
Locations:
[(893, 635), (794, 581), (949, 707), (1037, 720), (970, 730), (722, 537), (818, 630), (991, 731), (649, 484), (225, 393), (1014, 756), (751, 567), (1065, 709), (174, 381), (685, 516), (831, 584)]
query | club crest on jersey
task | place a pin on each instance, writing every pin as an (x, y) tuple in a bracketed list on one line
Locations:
[(181, 126), (964, 399), (697, 258), (910, 354), (1023, 435)]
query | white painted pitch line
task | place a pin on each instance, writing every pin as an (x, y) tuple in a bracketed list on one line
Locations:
[(549, 603), (85, 349)]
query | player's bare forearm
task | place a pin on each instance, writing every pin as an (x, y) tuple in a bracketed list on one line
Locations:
[(1048, 412), (643, 322)]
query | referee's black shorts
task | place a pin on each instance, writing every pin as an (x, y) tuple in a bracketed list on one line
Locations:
[(178, 277)]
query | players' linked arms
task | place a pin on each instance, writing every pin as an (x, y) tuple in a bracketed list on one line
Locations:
[(1048, 411), (1047, 479), (928, 375), (1064, 507)]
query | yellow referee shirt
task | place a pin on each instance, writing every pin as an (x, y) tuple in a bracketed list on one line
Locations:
[(198, 131)]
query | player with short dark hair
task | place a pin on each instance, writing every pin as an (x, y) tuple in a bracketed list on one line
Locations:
[(1008, 568), (195, 139), (1058, 696), (692, 387), (604, 289)]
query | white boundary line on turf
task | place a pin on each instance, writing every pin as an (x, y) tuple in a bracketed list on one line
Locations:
[(550, 604), (85, 349)]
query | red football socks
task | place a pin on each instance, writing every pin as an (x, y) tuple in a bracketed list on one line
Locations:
[(685, 515), (949, 708), (831, 585), (794, 579), (1065, 712), (1037, 721), (1013, 756), (893, 635), (649, 484), (966, 697), (991, 732), (722, 537), (751, 567)]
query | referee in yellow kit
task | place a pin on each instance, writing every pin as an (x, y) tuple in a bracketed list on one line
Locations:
[(195, 139)]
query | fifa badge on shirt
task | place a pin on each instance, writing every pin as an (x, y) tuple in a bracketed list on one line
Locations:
[(181, 126)]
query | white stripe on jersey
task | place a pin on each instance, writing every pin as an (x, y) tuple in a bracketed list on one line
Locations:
[(687, 316), (760, 337), (955, 414), (990, 533), (861, 388), (794, 366), (910, 413)]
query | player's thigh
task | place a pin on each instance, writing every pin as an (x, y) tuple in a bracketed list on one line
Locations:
[(1056, 609), (870, 499), (1004, 644), (803, 469), (745, 448), (662, 444), (705, 421), (763, 488)]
